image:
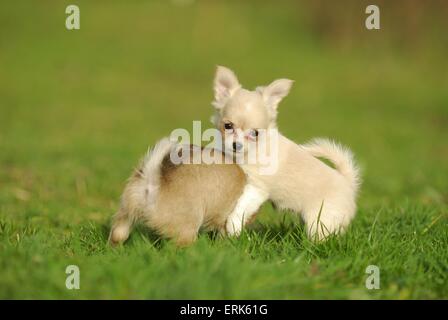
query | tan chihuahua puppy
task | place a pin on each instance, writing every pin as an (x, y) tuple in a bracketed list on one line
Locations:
[(177, 200), (324, 196)]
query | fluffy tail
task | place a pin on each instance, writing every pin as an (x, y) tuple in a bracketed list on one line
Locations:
[(140, 194), (341, 157), (150, 167)]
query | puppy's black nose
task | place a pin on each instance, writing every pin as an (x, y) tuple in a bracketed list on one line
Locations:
[(237, 146)]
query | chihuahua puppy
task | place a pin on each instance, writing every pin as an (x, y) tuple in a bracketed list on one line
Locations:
[(177, 200), (323, 195)]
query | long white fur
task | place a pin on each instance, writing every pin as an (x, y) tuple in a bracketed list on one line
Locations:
[(324, 197), (151, 167), (341, 157)]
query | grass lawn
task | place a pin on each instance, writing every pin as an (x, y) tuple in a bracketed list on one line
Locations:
[(78, 109)]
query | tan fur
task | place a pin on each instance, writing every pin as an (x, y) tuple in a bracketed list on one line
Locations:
[(189, 196)]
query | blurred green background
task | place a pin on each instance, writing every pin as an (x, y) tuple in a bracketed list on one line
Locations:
[(78, 108)]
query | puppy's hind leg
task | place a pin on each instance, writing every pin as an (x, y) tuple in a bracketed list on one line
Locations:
[(186, 237), (323, 221), (121, 227), (181, 228)]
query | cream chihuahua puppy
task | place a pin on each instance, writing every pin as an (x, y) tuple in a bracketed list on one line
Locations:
[(324, 196)]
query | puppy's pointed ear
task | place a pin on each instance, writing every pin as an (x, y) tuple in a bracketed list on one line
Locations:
[(275, 92), (225, 84)]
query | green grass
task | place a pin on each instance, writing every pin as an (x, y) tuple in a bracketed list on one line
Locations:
[(78, 109)]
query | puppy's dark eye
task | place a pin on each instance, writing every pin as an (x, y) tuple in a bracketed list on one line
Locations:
[(228, 126), (253, 133)]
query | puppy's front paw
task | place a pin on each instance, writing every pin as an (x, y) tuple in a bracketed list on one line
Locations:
[(234, 225)]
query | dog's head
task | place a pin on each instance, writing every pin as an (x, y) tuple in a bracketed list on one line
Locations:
[(241, 115)]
